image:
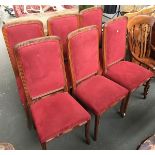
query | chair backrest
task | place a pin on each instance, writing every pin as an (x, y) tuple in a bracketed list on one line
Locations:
[(40, 63), (139, 35), (92, 16), (83, 45), (114, 41), (17, 32), (61, 26)]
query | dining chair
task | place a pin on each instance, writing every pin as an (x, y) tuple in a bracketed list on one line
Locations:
[(125, 73), (54, 111), (14, 33), (90, 88), (139, 40)]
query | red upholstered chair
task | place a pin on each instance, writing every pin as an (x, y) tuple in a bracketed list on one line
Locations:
[(61, 26), (127, 74), (54, 112), (93, 90), (93, 16), (15, 33)]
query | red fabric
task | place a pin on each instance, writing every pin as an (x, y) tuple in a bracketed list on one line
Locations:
[(21, 32), (62, 26), (55, 114), (92, 17), (128, 74), (18, 33), (115, 41), (42, 66), (99, 93), (85, 53)]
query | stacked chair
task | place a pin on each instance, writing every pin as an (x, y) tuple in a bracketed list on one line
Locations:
[(75, 70)]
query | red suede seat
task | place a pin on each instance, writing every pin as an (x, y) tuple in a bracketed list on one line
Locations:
[(104, 93), (128, 74), (56, 114)]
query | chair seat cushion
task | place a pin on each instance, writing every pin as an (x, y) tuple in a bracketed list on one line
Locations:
[(57, 114), (128, 74), (99, 93)]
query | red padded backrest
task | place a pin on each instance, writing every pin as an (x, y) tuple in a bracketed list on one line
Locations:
[(92, 16), (84, 52), (115, 40), (61, 26), (41, 60), (18, 32)]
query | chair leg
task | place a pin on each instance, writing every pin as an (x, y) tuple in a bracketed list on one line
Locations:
[(29, 120), (34, 126), (124, 105), (87, 127), (43, 145), (146, 88), (121, 112), (97, 119)]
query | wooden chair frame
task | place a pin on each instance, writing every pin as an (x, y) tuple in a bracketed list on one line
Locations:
[(64, 89)]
